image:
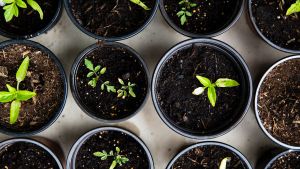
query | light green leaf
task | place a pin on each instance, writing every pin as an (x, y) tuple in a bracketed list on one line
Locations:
[(97, 68), (121, 81), (224, 163), (102, 86), (14, 111), (8, 1), (10, 88), (113, 165), (181, 2), (124, 160), (141, 4), (98, 154), (182, 19), (21, 3), (34, 5), (23, 95), (199, 90), (22, 71), (204, 81), (180, 13), (212, 96), (193, 5), (9, 12), (131, 92), (89, 64), (294, 8), (188, 13), (6, 97), (118, 150), (225, 82), (16, 10), (103, 70), (90, 74)]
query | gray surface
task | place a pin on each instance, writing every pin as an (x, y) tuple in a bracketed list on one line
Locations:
[(66, 41)]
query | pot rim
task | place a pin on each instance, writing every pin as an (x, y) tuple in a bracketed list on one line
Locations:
[(258, 119), (71, 159), (60, 67), (210, 143), (37, 143), (279, 155), (194, 35), (234, 55), (73, 85)]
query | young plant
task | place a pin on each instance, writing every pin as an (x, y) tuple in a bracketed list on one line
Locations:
[(109, 88), (16, 96), (184, 12), (211, 87), (118, 159), (11, 8), (294, 8), (140, 3), (126, 89), (94, 71), (224, 163)]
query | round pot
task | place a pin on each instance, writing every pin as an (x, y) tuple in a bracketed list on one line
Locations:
[(218, 31), (270, 162), (74, 86), (256, 108), (47, 27), (68, 8), (267, 40), (218, 144), (241, 69), (35, 143), (76, 147), (60, 68)]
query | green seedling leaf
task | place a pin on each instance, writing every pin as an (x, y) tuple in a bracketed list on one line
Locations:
[(90, 74), (204, 81), (131, 92), (212, 96), (118, 150), (10, 88), (199, 90), (21, 3), (6, 97), (103, 70), (97, 68), (34, 5), (141, 4), (225, 82), (8, 1), (98, 154), (89, 64), (118, 159), (188, 13), (294, 8), (182, 19), (14, 111), (22, 71), (180, 13), (9, 12), (113, 165), (224, 163), (23, 95), (193, 4), (121, 81)]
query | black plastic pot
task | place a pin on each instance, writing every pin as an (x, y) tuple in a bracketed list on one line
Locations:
[(50, 25), (37, 143), (243, 72), (75, 148), (233, 150), (253, 21), (68, 8), (64, 80), (219, 31), (256, 104), (74, 71)]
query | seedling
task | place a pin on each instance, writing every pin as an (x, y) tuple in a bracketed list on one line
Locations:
[(126, 89), (211, 87), (294, 8), (11, 8), (95, 72), (184, 12), (109, 88), (140, 3), (118, 159), (16, 96), (224, 163)]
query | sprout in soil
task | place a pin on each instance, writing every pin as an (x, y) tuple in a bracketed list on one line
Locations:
[(140, 3), (118, 159), (224, 163), (11, 8), (14, 95), (109, 88), (184, 12), (125, 89), (294, 8), (211, 87), (96, 72)]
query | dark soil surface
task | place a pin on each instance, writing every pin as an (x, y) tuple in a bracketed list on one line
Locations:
[(23, 155), (120, 63), (29, 21), (209, 16), (43, 77), (108, 140), (279, 102), (208, 157), (177, 80), (288, 161), (271, 20), (111, 18)]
